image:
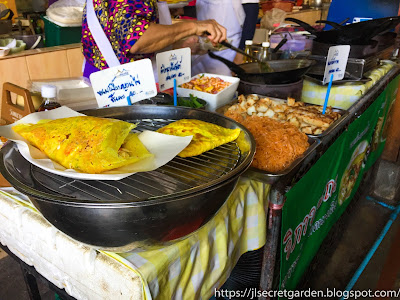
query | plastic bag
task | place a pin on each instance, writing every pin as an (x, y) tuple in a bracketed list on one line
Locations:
[(271, 17), (66, 12)]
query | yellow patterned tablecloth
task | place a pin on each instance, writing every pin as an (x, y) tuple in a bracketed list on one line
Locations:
[(190, 268), (344, 95)]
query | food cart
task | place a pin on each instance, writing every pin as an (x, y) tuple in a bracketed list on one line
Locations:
[(287, 213)]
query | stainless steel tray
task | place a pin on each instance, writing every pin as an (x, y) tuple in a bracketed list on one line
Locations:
[(286, 175), (318, 79), (338, 123), (356, 67), (354, 70), (344, 114)]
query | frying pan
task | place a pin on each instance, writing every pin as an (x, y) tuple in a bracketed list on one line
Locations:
[(285, 70), (352, 34), (356, 51), (333, 24)]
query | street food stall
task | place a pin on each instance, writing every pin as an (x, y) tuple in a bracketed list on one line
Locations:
[(178, 228)]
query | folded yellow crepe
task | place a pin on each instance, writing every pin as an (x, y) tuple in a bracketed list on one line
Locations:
[(206, 136), (86, 144)]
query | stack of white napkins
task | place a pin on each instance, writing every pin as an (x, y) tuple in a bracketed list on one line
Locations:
[(66, 13)]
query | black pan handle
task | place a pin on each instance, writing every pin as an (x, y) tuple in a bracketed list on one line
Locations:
[(280, 45), (305, 25), (333, 24), (231, 65), (344, 21)]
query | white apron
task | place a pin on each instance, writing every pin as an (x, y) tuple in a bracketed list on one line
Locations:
[(228, 13), (103, 42)]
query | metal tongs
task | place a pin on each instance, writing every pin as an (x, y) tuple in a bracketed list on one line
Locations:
[(263, 65)]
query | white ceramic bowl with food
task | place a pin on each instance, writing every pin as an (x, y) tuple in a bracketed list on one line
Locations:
[(214, 100)]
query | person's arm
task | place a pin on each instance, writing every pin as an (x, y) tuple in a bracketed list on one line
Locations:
[(157, 36)]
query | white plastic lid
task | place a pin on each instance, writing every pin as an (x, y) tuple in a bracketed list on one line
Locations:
[(49, 91), (248, 42), (265, 44)]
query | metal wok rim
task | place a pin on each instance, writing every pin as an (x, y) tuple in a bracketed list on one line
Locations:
[(238, 170), (127, 204), (307, 64)]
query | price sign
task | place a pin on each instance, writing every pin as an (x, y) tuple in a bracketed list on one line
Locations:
[(174, 64), (125, 84), (336, 62)]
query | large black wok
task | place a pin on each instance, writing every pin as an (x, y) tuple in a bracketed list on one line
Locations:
[(359, 33), (144, 208), (284, 70)]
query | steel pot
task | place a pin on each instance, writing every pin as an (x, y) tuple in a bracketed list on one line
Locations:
[(281, 91), (284, 70)]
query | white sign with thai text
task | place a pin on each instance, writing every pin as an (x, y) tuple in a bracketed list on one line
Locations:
[(125, 84), (336, 62), (174, 64)]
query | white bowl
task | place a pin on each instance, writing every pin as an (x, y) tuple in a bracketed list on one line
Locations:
[(214, 100), (4, 51)]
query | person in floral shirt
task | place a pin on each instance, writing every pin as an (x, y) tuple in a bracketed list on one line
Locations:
[(132, 29)]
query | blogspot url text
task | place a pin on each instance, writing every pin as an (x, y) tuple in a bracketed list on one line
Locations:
[(254, 293)]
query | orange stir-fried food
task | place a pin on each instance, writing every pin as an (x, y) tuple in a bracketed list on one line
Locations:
[(212, 85), (278, 144)]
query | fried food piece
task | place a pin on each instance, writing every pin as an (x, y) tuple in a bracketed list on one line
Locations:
[(206, 136), (86, 144), (308, 118)]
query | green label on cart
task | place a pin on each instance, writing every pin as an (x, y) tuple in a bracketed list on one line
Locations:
[(307, 210), (315, 203)]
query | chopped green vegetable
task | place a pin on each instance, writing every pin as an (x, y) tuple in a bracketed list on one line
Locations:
[(192, 102)]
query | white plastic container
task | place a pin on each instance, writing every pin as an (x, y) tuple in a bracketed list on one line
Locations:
[(295, 42), (214, 100), (74, 92)]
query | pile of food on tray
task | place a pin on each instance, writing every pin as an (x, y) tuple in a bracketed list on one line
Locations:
[(279, 128), (277, 144), (308, 118), (212, 85)]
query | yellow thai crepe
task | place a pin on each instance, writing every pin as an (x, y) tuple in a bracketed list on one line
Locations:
[(206, 136), (86, 144)]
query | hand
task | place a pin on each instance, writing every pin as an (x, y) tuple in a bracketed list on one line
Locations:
[(192, 42), (217, 32), (239, 59)]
